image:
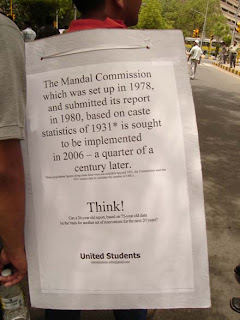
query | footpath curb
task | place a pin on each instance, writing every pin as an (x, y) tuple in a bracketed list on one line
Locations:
[(232, 70)]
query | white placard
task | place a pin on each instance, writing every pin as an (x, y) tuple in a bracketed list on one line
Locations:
[(110, 186)]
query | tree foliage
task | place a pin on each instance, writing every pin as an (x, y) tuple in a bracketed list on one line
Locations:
[(150, 16), (31, 9), (220, 30), (188, 15), (65, 12), (171, 9), (185, 15), (227, 39), (37, 10)]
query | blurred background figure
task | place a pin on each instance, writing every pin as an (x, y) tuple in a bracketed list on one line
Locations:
[(65, 29), (47, 30), (233, 50), (28, 33), (195, 57), (224, 53)]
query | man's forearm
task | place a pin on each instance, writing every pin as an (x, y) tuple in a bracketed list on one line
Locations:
[(12, 231), (12, 197)]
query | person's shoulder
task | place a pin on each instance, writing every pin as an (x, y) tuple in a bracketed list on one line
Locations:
[(10, 35), (8, 26), (6, 22)]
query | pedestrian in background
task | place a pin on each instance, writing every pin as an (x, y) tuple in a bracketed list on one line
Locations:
[(195, 56), (12, 189), (233, 50), (28, 33), (224, 53), (48, 29)]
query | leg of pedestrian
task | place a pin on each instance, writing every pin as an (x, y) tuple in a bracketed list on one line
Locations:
[(231, 57), (234, 60), (222, 59), (193, 69)]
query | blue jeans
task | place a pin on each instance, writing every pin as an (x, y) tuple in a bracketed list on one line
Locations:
[(140, 314)]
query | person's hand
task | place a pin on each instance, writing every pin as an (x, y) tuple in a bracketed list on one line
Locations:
[(19, 263)]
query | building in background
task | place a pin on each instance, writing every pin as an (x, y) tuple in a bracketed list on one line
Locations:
[(229, 9)]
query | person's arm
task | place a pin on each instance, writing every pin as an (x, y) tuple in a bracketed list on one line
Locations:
[(12, 192), (12, 209), (199, 61), (189, 56)]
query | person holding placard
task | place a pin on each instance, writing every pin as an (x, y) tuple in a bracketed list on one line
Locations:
[(107, 14)]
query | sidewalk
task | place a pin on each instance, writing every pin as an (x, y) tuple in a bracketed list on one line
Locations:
[(226, 67)]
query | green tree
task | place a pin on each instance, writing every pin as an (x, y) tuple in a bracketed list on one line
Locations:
[(150, 16), (227, 39), (220, 29), (37, 10), (5, 6), (65, 12), (170, 11), (188, 15)]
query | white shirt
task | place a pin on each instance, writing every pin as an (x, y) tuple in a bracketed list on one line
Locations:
[(29, 34), (233, 49), (195, 53)]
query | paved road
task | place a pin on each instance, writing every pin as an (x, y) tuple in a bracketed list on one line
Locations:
[(217, 100)]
